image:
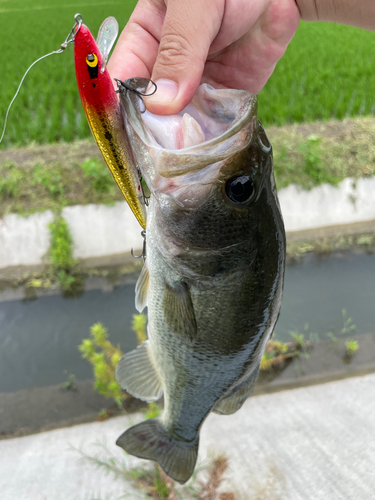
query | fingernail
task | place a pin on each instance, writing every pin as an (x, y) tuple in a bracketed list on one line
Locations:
[(166, 92)]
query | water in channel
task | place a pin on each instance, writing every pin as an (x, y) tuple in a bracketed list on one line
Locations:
[(39, 338)]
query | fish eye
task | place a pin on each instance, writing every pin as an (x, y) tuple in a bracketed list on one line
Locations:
[(92, 60), (240, 189)]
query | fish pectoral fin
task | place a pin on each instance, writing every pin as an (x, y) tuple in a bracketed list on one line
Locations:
[(136, 374), (233, 403), (178, 310), (151, 441), (141, 288)]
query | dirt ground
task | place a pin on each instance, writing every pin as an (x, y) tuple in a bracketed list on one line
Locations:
[(37, 178)]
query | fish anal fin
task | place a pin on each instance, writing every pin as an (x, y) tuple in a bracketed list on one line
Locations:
[(233, 403), (178, 310), (136, 374), (150, 440), (141, 289)]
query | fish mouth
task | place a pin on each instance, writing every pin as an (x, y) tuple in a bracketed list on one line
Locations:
[(213, 127)]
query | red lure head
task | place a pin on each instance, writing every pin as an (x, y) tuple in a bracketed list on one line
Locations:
[(94, 82)]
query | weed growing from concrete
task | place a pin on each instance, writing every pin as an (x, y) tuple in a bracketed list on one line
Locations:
[(277, 353), (351, 347), (63, 266), (348, 326), (154, 483), (70, 384)]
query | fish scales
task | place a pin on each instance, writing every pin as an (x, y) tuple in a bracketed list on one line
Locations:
[(215, 266)]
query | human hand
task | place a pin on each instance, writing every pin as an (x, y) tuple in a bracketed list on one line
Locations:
[(182, 43)]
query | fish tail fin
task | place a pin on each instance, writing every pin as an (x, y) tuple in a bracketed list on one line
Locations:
[(150, 440)]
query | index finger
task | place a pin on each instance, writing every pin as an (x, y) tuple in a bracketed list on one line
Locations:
[(137, 47)]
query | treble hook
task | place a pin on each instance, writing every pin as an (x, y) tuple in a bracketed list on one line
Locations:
[(146, 199), (143, 254), (130, 84)]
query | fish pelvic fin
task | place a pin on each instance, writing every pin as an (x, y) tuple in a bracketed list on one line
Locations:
[(233, 403), (141, 289), (136, 374), (151, 441), (179, 311)]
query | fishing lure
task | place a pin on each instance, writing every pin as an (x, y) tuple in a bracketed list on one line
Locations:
[(104, 112)]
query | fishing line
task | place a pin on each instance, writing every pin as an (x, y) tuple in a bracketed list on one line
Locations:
[(69, 39)]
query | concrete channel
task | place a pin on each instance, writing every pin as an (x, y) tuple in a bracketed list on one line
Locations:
[(101, 231), (301, 436)]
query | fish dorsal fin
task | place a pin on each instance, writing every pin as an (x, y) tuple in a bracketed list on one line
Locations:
[(233, 403), (136, 374), (178, 310), (107, 35), (141, 289)]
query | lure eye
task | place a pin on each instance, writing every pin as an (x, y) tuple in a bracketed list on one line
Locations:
[(240, 189), (92, 60)]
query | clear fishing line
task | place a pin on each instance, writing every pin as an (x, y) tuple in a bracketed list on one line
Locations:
[(69, 39)]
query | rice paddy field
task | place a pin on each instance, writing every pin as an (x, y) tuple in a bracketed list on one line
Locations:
[(327, 72)]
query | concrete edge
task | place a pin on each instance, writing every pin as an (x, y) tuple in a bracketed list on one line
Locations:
[(352, 228), (317, 379), (126, 259)]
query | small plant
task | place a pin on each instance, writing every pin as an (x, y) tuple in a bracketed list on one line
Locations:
[(155, 483), (299, 339), (351, 347), (9, 184), (104, 357), (278, 352), (70, 384), (153, 411), (61, 254), (348, 327), (139, 327), (331, 336), (104, 414), (98, 175), (50, 178), (312, 151)]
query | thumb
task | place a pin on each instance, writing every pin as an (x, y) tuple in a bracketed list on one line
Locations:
[(188, 31)]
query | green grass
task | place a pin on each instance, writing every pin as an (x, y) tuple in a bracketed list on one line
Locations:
[(97, 174), (35, 179), (327, 71), (317, 153)]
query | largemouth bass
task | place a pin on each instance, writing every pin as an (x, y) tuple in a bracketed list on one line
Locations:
[(213, 276)]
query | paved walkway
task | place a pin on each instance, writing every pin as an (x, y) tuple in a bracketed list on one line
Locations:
[(313, 443)]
